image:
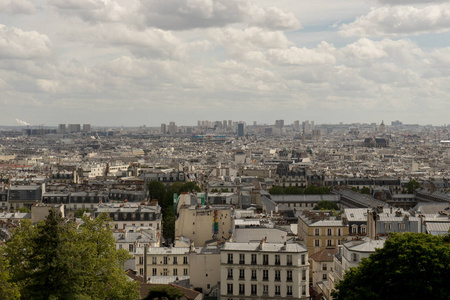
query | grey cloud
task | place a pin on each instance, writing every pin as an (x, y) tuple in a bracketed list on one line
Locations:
[(17, 7), (183, 14)]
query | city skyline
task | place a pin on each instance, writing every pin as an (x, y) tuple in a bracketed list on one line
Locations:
[(112, 63)]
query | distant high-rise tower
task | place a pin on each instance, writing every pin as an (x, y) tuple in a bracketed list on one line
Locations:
[(297, 125), (62, 128), (241, 129), (71, 128), (86, 127), (163, 128)]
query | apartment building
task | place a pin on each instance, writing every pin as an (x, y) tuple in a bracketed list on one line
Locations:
[(262, 270), (320, 229)]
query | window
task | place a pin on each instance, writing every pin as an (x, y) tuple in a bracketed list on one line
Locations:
[(241, 274), (289, 260), (165, 260), (324, 276), (324, 267), (242, 259), (265, 259), (185, 261), (277, 290), (363, 229), (329, 242), (303, 290), (316, 243), (165, 272), (175, 272), (230, 274), (303, 274), (329, 231), (175, 260), (265, 289), (254, 289), (154, 260), (289, 275), (230, 258), (387, 226), (185, 272), (355, 229), (130, 247), (339, 232), (253, 259), (141, 272), (154, 272), (241, 289), (354, 257), (230, 288), (289, 290), (254, 274), (401, 226), (317, 231), (277, 259), (277, 275), (303, 259), (265, 275), (141, 260)]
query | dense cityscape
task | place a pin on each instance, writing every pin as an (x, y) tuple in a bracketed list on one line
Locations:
[(229, 209)]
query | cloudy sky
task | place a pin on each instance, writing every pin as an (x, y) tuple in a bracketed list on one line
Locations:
[(136, 62)]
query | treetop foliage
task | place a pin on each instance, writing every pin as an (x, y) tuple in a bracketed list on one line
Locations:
[(410, 266), (57, 259)]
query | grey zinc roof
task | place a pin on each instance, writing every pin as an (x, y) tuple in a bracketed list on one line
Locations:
[(267, 247), (365, 245), (306, 198)]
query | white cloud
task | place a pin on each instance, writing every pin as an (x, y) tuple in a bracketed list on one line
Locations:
[(323, 54), (15, 43), (400, 20)]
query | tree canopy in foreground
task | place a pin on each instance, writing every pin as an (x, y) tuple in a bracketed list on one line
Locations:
[(57, 259), (410, 266)]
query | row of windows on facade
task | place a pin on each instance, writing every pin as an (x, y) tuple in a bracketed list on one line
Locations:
[(165, 272), (329, 231), (265, 289), (330, 243), (124, 225), (387, 226), (165, 260), (265, 259), (265, 275), (65, 200)]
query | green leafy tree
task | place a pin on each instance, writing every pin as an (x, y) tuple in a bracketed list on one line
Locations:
[(160, 292), (410, 266), (8, 289), (315, 190), (365, 190), (411, 186), (157, 191), (276, 190), (168, 224), (23, 210), (293, 190), (58, 260), (80, 212), (326, 205), (189, 187)]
